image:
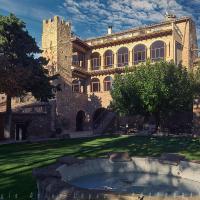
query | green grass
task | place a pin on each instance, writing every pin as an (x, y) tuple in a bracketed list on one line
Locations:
[(18, 160)]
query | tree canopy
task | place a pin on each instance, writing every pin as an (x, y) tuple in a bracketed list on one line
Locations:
[(159, 89), (21, 72)]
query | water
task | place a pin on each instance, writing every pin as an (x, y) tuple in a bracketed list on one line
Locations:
[(147, 184)]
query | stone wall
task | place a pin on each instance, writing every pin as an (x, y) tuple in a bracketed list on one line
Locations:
[(58, 47), (1, 126), (37, 120)]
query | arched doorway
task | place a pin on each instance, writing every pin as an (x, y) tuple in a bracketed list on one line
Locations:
[(98, 116), (80, 119)]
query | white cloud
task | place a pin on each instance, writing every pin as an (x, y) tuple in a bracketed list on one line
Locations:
[(125, 13)]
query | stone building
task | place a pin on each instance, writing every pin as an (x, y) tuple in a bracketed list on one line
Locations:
[(87, 67)]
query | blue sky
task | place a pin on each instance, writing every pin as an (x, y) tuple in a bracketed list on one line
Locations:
[(90, 18)]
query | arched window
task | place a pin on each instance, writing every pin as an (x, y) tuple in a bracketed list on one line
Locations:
[(108, 58), (95, 85), (122, 56), (139, 53), (95, 61), (158, 51), (76, 86), (107, 83)]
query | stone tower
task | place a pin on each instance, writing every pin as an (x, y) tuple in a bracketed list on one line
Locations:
[(57, 48)]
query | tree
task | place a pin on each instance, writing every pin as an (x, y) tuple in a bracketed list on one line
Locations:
[(20, 71), (160, 89)]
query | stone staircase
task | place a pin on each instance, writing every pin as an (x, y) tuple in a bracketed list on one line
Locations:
[(104, 123)]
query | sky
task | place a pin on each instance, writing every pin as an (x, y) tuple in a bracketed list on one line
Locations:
[(90, 18)]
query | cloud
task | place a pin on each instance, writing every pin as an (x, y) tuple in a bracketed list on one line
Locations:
[(126, 13), (91, 17)]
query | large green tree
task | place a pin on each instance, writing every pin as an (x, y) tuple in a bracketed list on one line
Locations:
[(159, 89), (21, 72)]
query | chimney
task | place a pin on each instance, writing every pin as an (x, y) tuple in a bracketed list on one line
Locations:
[(169, 17), (109, 30)]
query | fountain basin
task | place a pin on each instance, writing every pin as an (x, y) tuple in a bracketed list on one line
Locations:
[(104, 179)]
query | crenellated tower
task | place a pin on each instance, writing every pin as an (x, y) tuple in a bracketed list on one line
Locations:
[(57, 48), (57, 45)]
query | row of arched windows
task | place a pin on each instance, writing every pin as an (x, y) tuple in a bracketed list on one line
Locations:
[(95, 85), (157, 52)]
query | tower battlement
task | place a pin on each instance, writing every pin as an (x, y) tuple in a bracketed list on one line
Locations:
[(56, 43), (56, 20)]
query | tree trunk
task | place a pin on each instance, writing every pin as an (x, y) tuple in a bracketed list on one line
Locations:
[(157, 119), (8, 118)]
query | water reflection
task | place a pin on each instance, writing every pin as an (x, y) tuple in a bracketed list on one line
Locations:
[(147, 184)]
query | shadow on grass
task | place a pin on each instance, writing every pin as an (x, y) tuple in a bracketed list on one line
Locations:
[(18, 160)]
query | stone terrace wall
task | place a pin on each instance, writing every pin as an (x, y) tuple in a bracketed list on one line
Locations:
[(38, 119), (52, 187)]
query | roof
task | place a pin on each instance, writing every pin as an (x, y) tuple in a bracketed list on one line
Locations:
[(137, 29), (106, 40), (80, 42)]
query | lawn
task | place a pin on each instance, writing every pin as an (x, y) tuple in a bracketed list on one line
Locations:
[(18, 160)]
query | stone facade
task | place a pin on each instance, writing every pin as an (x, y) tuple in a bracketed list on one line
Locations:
[(83, 61), (29, 122)]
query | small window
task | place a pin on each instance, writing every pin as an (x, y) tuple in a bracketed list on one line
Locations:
[(107, 83), (95, 85), (76, 86)]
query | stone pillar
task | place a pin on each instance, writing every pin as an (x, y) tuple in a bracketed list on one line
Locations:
[(116, 60), (89, 63), (130, 63), (148, 53), (102, 62)]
